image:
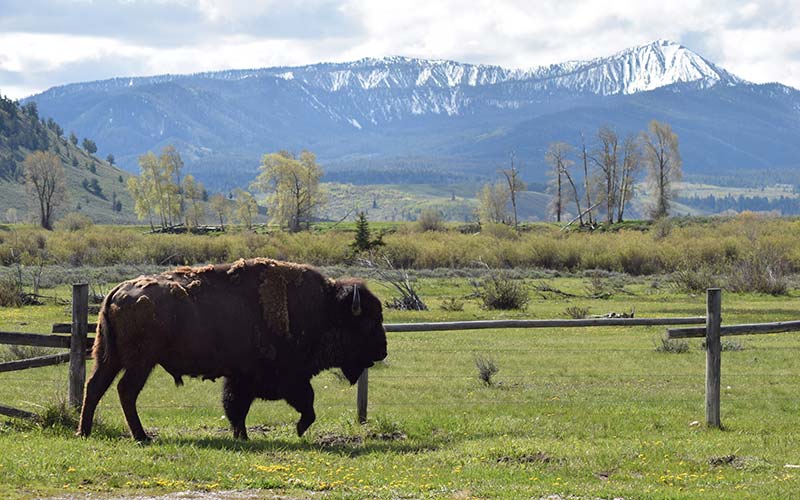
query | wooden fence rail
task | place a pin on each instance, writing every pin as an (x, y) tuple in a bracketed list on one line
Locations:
[(712, 330), (34, 339)]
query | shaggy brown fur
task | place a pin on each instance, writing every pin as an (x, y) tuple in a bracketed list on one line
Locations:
[(266, 326)]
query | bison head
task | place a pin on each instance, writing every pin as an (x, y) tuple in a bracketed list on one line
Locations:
[(361, 318)]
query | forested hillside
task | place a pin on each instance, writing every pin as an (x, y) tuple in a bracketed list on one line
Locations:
[(94, 187)]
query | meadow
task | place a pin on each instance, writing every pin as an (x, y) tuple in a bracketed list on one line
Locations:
[(592, 412)]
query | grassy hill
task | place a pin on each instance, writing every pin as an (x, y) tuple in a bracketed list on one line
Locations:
[(22, 131)]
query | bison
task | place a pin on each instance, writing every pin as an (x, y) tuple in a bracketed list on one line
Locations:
[(266, 326)]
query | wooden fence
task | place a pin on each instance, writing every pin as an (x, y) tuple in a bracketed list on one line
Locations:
[(75, 342), (712, 330)]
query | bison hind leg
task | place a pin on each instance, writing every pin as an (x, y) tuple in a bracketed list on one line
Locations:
[(237, 396), (99, 381), (129, 387)]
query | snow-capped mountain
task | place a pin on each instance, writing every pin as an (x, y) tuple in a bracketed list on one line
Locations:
[(637, 69), (444, 111)]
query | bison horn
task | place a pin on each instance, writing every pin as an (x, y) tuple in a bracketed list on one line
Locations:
[(356, 301)]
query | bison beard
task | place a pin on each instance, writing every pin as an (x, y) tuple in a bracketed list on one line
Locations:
[(266, 326)]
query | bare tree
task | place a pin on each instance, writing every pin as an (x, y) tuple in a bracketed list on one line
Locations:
[(607, 159), (554, 158), (586, 179), (44, 179), (515, 185), (557, 156), (663, 161), (631, 164)]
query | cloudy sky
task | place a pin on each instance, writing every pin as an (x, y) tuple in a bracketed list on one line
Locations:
[(46, 43)]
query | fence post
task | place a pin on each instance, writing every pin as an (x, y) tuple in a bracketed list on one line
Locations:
[(361, 401), (713, 355), (77, 346)]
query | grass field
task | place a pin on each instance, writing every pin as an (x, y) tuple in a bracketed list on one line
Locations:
[(594, 413)]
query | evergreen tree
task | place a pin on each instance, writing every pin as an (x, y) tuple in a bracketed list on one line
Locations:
[(363, 241)]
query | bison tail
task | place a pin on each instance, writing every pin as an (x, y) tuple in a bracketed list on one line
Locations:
[(104, 337)]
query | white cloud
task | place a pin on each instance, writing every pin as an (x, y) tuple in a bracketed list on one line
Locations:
[(759, 41)]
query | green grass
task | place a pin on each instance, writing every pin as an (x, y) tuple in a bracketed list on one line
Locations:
[(587, 412)]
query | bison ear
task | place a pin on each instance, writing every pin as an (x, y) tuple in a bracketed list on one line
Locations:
[(356, 307)]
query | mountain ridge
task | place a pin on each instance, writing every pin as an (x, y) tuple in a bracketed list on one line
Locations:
[(398, 106)]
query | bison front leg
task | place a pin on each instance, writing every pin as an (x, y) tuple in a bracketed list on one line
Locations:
[(301, 398), (237, 396), (129, 387)]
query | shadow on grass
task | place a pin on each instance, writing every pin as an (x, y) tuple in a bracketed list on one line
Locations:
[(354, 449)]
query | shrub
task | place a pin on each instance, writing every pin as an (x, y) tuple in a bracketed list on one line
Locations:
[(487, 369), (452, 304), (499, 231), (10, 292), (695, 280), (503, 293), (430, 220), (764, 271), (74, 222), (661, 228), (17, 352), (731, 345), (673, 346), (576, 312), (59, 415)]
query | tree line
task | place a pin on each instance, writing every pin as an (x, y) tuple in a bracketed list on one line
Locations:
[(785, 205), (290, 182), (601, 179)]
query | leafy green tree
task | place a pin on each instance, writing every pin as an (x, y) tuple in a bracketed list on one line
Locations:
[(110, 159), (246, 208), (193, 192), (89, 146), (292, 185), (493, 204), (221, 208), (44, 180), (73, 138), (156, 184), (95, 187), (143, 198), (172, 164)]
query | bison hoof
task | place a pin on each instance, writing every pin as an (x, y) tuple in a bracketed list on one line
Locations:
[(143, 439), (302, 427)]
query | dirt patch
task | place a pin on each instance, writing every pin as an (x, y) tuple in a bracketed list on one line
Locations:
[(736, 461), (389, 436), (332, 440)]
